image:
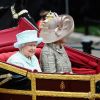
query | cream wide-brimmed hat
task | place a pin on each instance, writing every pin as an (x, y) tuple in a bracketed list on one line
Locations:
[(26, 37), (56, 27)]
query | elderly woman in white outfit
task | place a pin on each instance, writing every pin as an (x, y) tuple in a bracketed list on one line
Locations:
[(26, 43)]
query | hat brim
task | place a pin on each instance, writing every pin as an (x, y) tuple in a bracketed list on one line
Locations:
[(18, 44), (49, 35)]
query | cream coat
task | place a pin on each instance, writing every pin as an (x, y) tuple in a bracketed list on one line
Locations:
[(54, 60)]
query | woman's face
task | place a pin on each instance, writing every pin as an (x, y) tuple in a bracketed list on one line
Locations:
[(61, 41), (29, 49)]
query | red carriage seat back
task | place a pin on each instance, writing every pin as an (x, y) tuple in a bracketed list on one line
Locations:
[(5, 56), (8, 36), (83, 63)]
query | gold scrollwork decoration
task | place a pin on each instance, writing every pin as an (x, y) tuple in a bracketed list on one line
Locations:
[(62, 86)]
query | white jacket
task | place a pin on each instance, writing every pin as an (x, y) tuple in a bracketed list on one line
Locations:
[(22, 61)]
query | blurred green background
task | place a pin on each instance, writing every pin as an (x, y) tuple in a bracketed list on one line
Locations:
[(93, 29)]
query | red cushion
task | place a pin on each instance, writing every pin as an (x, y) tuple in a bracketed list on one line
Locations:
[(37, 53), (7, 49), (83, 71), (82, 60), (5, 56)]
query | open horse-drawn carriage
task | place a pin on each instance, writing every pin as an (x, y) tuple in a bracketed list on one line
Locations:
[(17, 83)]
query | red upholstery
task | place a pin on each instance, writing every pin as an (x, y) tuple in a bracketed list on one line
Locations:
[(5, 56), (8, 36), (9, 48), (83, 71), (83, 60), (24, 24), (37, 53), (80, 66)]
